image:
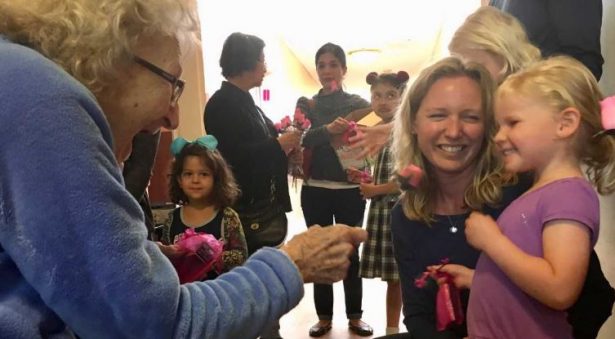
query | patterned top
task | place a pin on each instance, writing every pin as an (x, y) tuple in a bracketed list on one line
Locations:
[(377, 258), (225, 225), (382, 175)]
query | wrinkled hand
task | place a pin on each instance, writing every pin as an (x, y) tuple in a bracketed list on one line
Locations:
[(171, 251), (290, 140), (371, 140), (462, 276), (338, 126), (480, 230), (322, 254), (369, 190)]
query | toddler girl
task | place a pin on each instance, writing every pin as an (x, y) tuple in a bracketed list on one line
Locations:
[(204, 186), (535, 258)]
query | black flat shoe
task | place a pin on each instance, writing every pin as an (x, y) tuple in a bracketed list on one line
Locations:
[(362, 329), (319, 330)]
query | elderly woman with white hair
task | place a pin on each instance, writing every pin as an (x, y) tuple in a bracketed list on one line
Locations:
[(80, 79)]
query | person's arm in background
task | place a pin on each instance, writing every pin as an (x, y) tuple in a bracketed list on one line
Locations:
[(581, 40), (371, 139), (230, 125), (370, 190), (358, 114)]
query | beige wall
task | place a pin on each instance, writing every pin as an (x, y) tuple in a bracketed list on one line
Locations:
[(192, 101), (287, 81)]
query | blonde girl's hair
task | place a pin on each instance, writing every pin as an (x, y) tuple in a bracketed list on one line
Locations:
[(563, 82), (486, 187), (500, 34), (92, 39)]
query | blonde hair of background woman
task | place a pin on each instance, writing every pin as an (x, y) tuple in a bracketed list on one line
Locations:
[(486, 187), (490, 30), (562, 82), (90, 39)]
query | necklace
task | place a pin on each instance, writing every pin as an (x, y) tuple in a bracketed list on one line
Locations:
[(453, 228)]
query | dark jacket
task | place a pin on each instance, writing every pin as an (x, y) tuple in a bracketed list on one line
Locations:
[(568, 27), (248, 141)]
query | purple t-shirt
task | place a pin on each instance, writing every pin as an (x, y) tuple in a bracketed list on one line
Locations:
[(500, 309)]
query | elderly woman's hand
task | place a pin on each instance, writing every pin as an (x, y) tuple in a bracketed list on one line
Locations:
[(322, 254)]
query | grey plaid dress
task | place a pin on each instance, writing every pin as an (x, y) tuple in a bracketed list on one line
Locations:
[(377, 259)]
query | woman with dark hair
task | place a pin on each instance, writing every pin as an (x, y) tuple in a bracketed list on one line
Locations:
[(250, 144), (326, 195), (248, 139)]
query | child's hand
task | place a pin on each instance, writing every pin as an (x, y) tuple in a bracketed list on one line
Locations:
[(480, 230), (369, 190), (462, 276), (357, 176)]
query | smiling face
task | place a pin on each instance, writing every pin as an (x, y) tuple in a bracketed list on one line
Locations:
[(140, 100), (196, 180), (450, 126), (385, 100), (527, 130), (330, 70)]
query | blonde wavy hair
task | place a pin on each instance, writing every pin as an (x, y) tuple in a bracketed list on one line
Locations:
[(563, 82), (500, 34), (90, 39), (486, 187)]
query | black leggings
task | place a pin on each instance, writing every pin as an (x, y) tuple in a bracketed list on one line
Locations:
[(323, 206)]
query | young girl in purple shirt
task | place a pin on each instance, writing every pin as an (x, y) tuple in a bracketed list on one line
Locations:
[(535, 257)]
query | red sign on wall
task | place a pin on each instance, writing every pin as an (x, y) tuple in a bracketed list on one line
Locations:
[(266, 95)]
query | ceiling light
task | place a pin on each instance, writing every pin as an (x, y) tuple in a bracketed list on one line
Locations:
[(364, 55)]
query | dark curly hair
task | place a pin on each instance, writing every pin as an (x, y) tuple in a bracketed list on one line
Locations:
[(397, 80), (225, 190)]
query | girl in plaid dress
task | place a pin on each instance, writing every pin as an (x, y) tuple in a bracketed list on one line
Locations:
[(377, 259)]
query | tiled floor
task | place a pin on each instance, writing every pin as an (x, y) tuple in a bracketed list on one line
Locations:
[(296, 323)]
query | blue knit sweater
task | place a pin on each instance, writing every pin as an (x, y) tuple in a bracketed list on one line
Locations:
[(73, 250)]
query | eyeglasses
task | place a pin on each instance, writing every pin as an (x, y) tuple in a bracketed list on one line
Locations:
[(178, 84)]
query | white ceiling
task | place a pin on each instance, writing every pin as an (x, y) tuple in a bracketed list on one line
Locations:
[(409, 33)]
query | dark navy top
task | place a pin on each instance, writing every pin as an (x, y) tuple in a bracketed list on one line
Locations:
[(417, 245)]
